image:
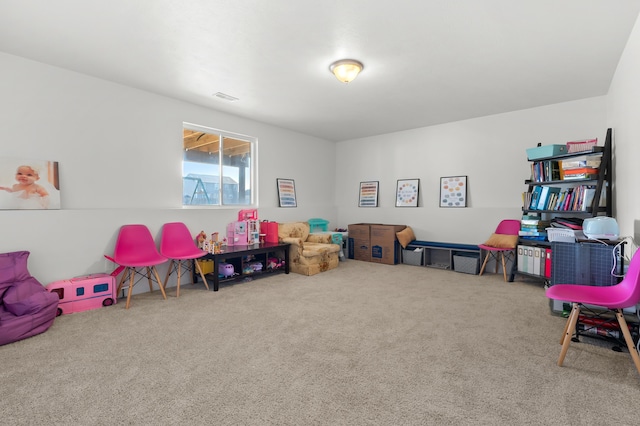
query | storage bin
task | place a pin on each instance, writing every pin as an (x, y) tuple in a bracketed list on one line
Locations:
[(466, 264), (545, 151), (581, 146), (561, 234), (206, 266), (318, 225), (412, 257)]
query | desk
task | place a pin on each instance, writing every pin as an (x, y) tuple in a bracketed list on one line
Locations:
[(236, 255)]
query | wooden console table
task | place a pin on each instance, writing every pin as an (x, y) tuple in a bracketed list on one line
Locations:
[(236, 255)]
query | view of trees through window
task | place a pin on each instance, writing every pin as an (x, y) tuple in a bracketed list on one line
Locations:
[(217, 167)]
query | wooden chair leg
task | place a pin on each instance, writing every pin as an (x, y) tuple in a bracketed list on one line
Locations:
[(484, 264), (132, 273), (124, 276), (204, 280), (166, 278), (504, 266), (627, 337), (573, 319), (566, 327), (155, 272), (179, 267)]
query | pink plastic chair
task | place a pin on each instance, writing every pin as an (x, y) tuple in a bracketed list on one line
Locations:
[(616, 298), (178, 245), (136, 249), (505, 227)]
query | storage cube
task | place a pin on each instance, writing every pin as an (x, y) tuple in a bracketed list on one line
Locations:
[(412, 257), (466, 264)]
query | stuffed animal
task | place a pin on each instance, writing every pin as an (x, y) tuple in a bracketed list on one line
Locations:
[(225, 270)]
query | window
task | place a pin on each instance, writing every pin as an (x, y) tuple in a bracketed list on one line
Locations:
[(217, 167), (80, 291), (100, 288)]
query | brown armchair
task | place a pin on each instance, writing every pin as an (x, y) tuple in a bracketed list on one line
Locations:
[(309, 254)]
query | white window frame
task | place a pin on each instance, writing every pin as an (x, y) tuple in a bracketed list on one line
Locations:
[(253, 169)]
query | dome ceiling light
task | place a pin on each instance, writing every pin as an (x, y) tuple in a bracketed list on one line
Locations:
[(346, 70)]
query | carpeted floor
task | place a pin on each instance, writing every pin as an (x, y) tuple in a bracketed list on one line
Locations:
[(363, 344)]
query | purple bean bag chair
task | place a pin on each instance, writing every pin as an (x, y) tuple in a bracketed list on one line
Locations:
[(26, 307)]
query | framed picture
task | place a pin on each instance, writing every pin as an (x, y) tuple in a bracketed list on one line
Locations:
[(368, 194), (28, 184), (453, 191), (287, 192), (407, 192)]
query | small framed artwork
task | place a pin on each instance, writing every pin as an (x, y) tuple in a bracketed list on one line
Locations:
[(287, 192), (407, 192), (29, 184), (368, 194), (453, 191)]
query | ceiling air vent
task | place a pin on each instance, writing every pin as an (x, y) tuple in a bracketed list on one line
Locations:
[(224, 97)]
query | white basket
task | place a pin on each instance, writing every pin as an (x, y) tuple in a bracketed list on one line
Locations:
[(562, 235)]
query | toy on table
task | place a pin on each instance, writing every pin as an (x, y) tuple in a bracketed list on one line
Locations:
[(201, 238)]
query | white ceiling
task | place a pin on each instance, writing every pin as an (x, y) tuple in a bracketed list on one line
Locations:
[(426, 61)]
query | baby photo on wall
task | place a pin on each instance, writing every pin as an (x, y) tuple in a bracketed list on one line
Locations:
[(29, 184)]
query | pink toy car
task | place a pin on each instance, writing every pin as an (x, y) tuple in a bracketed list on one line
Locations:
[(84, 293)]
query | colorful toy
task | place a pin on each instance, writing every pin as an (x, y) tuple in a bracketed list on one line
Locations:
[(256, 266), (274, 263), (226, 270), (84, 293), (201, 238)]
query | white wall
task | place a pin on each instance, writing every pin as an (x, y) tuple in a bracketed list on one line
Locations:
[(119, 154), (119, 151), (490, 151), (623, 107)]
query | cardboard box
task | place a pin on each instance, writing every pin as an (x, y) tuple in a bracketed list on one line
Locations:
[(374, 242), (385, 247), (359, 241)]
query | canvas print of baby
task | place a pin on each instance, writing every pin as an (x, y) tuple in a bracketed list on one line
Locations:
[(33, 185)]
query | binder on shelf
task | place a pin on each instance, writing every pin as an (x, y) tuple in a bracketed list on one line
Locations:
[(536, 261), (547, 264), (542, 198), (535, 195)]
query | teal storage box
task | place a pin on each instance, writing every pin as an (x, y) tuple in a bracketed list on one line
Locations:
[(545, 151), (318, 225)]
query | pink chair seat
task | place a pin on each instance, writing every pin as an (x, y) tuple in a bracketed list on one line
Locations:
[(135, 248), (625, 294), (613, 297), (505, 227), (177, 244)]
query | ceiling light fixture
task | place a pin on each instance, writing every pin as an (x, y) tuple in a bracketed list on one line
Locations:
[(346, 70)]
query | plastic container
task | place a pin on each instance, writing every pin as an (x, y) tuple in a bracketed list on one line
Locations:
[(545, 151), (318, 225), (561, 235)]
